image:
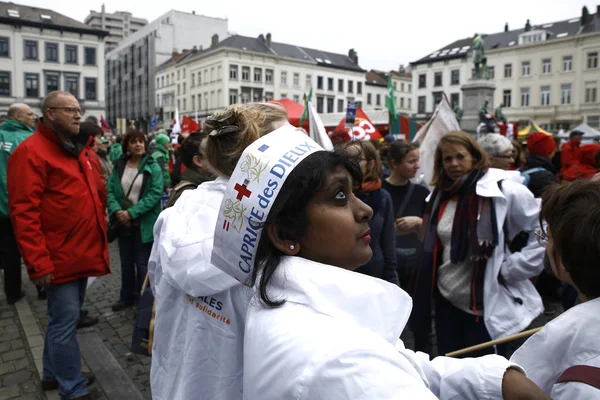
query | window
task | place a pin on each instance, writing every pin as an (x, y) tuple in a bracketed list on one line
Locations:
[(590, 95), (246, 74), (4, 47), (90, 55), (402, 86), (219, 75), (268, 75), (422, 81), (358, 87), (296, 98), (193, 80), (524, 97), (378, 100), (508, 70), (437, 98), (369, 99), (31, 49), (545, 92), (4, 83), (592, 60), (394, 84), (51, 83), (72, 85), (162, 81), (491, 72), (565, 93), (52, 52), (70, 54), (330, 84), (178, 76), (593, 121), (184, 103), (409, 102), (320, 82), (268, 96), (567, 63), (308, 81), (437, 79), (454, 77), (233, 74), (212, 75), (199, 78), (178, 89), (525, 68), (158, 83), (340, 107), (507, 98), (184, 85), (455, 99), (91, 89), (257, 75), (283, 95), (340, 85), (193, 103), (296, 79), (330, 102), (32, 87), (350, 86), (421, 104), (546, 66), (320, 100), (283, 78), (401, 102)]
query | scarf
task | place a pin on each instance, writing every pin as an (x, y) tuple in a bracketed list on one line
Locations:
[(370, 194), (370, 186)]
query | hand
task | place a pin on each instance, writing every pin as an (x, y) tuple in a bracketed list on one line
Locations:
[(406, 225), (123, 217), (44, 281), (596, 177), (516, 386)]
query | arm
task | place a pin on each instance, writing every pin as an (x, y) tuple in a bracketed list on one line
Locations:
[(522, 216), (566, 157), (150, 199), (26, 177), (388, 240), (99, 177), (113, 202)]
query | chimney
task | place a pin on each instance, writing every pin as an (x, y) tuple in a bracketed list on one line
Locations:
[(215, 41), (585, 16), (401, 69), (193, 12), (261, 37), (527, 26), (195, 48), (104, 8), (353, 56), (506, 27), (174, 54), (269, 41)]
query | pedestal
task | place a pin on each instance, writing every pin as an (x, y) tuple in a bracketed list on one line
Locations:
[(475, 94)]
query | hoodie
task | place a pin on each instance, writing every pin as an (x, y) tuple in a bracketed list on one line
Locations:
[(587, 167), (200, 310)]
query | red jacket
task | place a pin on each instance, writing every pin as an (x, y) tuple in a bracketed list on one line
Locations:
[(587, 167), (570, 155), (56, 209)]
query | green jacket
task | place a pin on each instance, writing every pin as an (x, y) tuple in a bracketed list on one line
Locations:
[(12, 133), (115, 152), (190, 179), (161, 155), (148, 207)]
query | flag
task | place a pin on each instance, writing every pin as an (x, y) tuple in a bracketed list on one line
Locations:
[(176, 125), (390, 102), (104, 124), (305, 113), (188, 125), (317, 129), (363, 128), (153, 123)]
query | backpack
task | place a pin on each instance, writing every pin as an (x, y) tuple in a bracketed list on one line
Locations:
[(527, 174)]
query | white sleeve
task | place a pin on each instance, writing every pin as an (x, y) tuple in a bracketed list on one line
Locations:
[(574, 390)]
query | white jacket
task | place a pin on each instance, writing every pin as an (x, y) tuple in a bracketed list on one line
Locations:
[(200, 311), (569, 339), (336, 338)]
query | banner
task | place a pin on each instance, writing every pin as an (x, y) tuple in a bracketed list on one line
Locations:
[(363, 128), (188, 125), (317, 129)]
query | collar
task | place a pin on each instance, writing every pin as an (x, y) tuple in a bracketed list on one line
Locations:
[(369, 302), (48, 132), (487, 186), (12, 125), (191, 174)]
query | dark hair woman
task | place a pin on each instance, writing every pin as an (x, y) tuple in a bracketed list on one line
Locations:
[(135, 188), (383, 244), (320, 330), (481, 289)]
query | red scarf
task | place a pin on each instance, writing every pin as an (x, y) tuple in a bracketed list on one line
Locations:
[(370, 186)]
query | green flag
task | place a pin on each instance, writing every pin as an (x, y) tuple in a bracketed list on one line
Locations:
[(305, 113), (390, 102)]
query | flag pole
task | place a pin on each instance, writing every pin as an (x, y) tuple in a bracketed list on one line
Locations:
[(491, 343)]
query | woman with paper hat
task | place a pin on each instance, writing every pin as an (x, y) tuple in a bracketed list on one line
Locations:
[(200, 311), (290, 224)]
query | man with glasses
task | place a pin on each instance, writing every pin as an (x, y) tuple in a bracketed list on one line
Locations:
[(60, 227), (18, 127)]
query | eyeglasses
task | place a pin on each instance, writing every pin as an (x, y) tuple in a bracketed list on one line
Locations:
[(70, 110), (541, 237)]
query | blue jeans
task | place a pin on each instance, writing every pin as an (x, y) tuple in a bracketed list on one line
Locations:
[(62, 360), (134, 263)]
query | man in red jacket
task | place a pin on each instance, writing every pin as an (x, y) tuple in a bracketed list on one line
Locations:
[(571, 153), (60, 227)]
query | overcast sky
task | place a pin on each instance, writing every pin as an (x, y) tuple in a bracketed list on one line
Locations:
[(384, 33)]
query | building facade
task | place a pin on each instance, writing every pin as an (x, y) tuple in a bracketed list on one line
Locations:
[(241, 69), (376, 83), (119, 25), (547, 73), (42, 51), (130, 67)]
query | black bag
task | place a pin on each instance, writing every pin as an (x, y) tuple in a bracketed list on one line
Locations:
[(114, 227)]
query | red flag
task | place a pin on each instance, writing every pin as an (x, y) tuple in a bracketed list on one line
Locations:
[(188, 125), (363, 128), (104, 125)]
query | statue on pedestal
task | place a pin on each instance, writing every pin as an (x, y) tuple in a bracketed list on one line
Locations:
[(487, 119), (458, 112), (479, 59), (499, 114)]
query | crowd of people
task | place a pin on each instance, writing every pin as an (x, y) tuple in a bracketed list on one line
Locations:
[(281, 270)]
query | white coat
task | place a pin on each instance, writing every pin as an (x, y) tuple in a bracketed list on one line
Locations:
[(336, 338), (568, 340), (515, 206), (200, 311)]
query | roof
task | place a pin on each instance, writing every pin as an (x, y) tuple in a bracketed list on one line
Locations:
[(375, 78), (17, 14), (260, 45), (177, 57), (557, 30)]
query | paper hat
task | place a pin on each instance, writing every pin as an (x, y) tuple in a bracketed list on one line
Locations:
[(252, 189)]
